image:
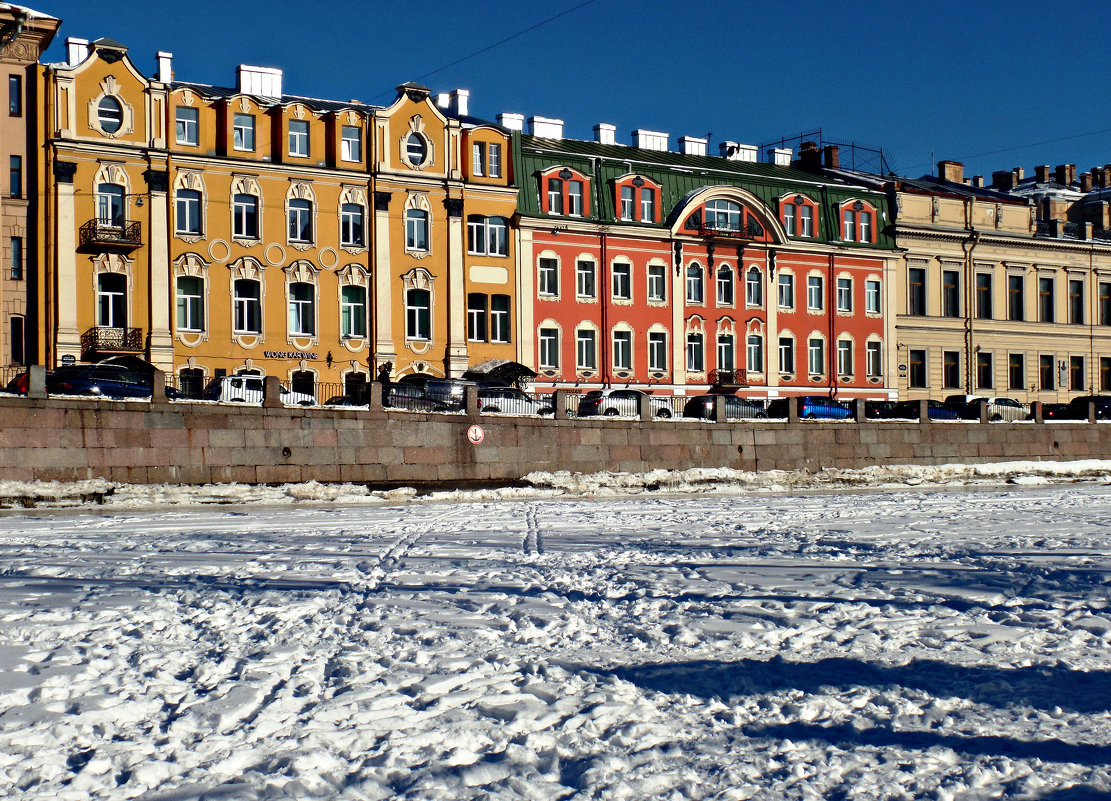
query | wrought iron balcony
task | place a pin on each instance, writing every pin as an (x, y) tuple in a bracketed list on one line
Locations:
[(103, 339), (98, 233), (729, 378)]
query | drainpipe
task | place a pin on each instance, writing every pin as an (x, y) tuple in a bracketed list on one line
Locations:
[(1093, 366), (604, 367), (831, 315)]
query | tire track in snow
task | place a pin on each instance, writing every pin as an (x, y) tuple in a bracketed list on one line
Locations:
[(533, 544)]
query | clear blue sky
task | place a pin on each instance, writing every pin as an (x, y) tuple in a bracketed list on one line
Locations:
[(993, 84)]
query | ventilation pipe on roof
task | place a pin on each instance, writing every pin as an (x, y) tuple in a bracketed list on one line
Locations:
[(605, 134), (650, 140), (165, 66), (259, 81), (545, 127), (77, 50), (781, 156), (692, 145), (511, 120)]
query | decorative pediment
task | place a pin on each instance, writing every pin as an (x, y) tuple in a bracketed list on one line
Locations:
[(418, 278)]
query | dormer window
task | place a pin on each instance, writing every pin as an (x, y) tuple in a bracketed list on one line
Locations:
[(637, 199), (723, 215), (565, 193), (109, 113), (797, 215), (575, 198), (857, 222), (627, 202)]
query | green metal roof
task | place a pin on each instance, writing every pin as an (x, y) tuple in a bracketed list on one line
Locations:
[(680, 175)]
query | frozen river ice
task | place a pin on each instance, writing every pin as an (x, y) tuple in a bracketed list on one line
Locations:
[(893, 643)]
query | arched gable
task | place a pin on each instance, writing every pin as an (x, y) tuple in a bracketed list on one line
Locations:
[(685, 219)]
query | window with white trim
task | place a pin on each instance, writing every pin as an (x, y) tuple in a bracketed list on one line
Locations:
[(622, 281), (622, 350), (815, 293), (844, 294), (816, 356), (190, 303), (244, 215), (416, 229), (845, 357), (694, 284), (299, 138), (493, 162), (243, 132), (657, 283), (627, 193), (302, 309), (547, 277), (351, 225), (352, 312), (647, 204), (786, 287), (476, 317), (575, 198), (548, 343), (478, 159), (185, 122), (487, 236), (187, 212), (725, 285), (300, 220), (787, 355), (755, 353), (499, 318), (727, 355), (873, 359), (585, 279), (754, 287), (657, 351), (586, 349), (872, 296), (418, 314), (696, 362), (247, 299), (351, 143)]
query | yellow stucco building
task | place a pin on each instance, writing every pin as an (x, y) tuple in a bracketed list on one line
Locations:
[(215, 231)]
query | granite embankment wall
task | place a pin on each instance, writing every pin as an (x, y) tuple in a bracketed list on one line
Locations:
[(197, 443)]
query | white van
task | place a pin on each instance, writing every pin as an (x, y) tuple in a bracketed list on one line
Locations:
[(248, 389)]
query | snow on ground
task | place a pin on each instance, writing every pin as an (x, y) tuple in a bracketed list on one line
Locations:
[(945, 643)]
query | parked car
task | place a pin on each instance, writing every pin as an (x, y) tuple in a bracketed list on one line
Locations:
[(702, 407), (101, 380), (449, 391), (248, 389), (879, 409), (510, 400), (935, 410), (1078, 407), (1005, 409), (1054, 411), (413, 398), (811, 407), (621, 402)]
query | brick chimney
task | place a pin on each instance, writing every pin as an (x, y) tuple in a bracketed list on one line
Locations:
[(950, 172), (1003, 179), (1085, 182), (810, 158), (1041, 173), (832, 158), (978, 181), (1065, 174)]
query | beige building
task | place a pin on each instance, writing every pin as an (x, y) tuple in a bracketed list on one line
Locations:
[(24, 34)]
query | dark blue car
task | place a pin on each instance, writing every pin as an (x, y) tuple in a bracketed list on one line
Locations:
[(101, 380), (811, 407), (935, 409)]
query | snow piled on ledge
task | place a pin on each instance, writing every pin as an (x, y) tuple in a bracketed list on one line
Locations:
[(101, 492)]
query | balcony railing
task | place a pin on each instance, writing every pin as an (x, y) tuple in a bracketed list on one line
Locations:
[(729, 378), (103, 339), (101, 233)]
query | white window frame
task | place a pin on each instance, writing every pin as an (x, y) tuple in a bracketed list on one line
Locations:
[(873, 359), (187, 129), (845, 358), (785, 285), (247, 308), (586, 279), (243, 213), (657, 283), (416, 230), (548, 348), (622, 350), (187, 212), (352, 220), (351, 146), (806, 220), (243, 132), (493, 162), (418, 316), (872, 299), (647, 204), (575, 190), (696, 352), (754, 287), (845, 295), (754, 352), (657, 351), (586, 349), (299, 138), (190, 304), (621, 281), (547, 277), (352, 314), (478, 159), (302, 310), (723, 286), (789, 216), (628, 194), (787, 355), (300, 214), (816, 356), (696, 281), (499, 318), (727, 351), (815, 293)]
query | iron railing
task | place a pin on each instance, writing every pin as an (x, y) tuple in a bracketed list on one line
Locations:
[(101, 233), (103, 339), (729, 378)]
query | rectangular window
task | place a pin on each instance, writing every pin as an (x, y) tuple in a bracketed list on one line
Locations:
[(1076, 373), (985, 371), (983, 296), (493, 163), (555, 196), (622, 350), (353, 312), (575, 197), (300, 220), (548, 280), (351, 143), (351, 225), (916, 291), (1045, 300), (248, 308), (657, 351), (727, 354), (476, 317), (1104, 303), (190, 304), (815, 292), (754, 352), (786, 283), (586, 349), (754, 287), (786, 355), (844, 294), (1046, 374), (478, 159), (806, 221), (15, 176), (1016, 371), (951, 369), (299, 138), (1015, 299), (873, 359), (950, 294), (695, 356), (622, 281), (865, 226), (657, 283), (849, 219), (187, 126), (694, 284), (549, 348), (244, 212), (627, 202), (1076, 302), (1104, 374), (647, 204), (418, 314), (187, 212), (916, 375), (585, 283), (17, 258), (872, 297), (416, 229), (789, 218), (499, 318), (243, 132), (302, 315), (816, 356), (844, 357), (15, 95)]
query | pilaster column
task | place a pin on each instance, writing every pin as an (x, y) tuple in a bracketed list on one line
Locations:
[(457, 360), (158, 249), (67, 335), (383, 282)]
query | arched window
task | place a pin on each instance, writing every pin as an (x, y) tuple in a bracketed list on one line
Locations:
[(303, 382), (695, 293), (754, 287), (191, 382), (725, 285)]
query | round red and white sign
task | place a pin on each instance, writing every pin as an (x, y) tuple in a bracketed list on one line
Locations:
[(475, 434)]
